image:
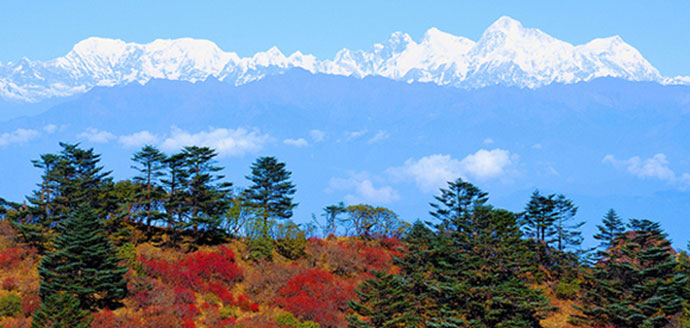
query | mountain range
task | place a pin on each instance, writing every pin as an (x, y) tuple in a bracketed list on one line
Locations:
[(506, 54)]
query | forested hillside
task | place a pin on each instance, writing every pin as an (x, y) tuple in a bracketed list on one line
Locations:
[(178, 245)]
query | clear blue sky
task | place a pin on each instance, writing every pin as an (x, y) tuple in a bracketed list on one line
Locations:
[(660, 30)]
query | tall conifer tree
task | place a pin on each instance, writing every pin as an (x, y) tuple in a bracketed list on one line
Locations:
[(612, 226), (637, 283), (85, 264), (150, 163), (271, 192)]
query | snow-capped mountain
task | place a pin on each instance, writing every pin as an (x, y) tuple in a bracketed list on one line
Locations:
[(507, 54)]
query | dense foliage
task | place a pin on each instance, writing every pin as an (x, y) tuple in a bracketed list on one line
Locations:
[(175, 246)]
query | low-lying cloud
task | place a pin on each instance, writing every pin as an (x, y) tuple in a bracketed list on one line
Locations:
[(362, 189), (656, 167), (227, 142), (434, 171), (18, 136)]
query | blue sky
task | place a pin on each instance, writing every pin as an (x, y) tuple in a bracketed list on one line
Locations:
[(47, 29)]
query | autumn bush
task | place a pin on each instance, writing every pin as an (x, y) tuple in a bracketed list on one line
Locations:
[(264, 279), (10, 305), (315, 295), (10, 283), (339, 257), (30, 303)]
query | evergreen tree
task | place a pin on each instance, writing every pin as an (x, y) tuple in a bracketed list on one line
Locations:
[(637, 283), (175, 184), (612, 226), (567, 235), (41, 199), (480, 259), (418, 270), (382, 303), (456, 204), (208, 198), (85, 264), (547, 221), (150, 163), (537, 219), (61, 311), (81, 182), (271, 192)]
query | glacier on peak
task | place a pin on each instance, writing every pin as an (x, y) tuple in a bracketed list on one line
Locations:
[(507, 53)]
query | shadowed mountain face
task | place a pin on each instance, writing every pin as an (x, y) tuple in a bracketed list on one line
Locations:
[(605, 143)]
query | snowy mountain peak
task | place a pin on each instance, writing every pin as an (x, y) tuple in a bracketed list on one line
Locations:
[(505, 25), (507, 53)]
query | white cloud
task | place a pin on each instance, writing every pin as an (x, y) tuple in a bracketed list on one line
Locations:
[(351, 135), (50, 128), (487, 164), (317, 135), (96, 136), (433, 172), (138, 139), (537, 146), (379, 136), (488, 141), (18, 136), (429, 172), (363, 190), (296, 142), (655, 167), (227, 142)]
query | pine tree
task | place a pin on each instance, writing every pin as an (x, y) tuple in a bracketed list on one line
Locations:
[(382, 303), (271, 192), (538, 217), (61, 311), (567, 235), (612, 226), (41, 199), (81, 182), (637, 283), (175, 184), (480, 261), (208, 198), (85, 264), (417, 268), (150, 163), (456, 204)]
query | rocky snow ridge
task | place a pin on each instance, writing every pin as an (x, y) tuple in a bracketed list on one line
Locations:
[(506, 54)]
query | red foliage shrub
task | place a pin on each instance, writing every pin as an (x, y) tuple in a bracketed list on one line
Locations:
[(213, 319), (102, 319), (10, 283), (315, 295), (184, 295), (245, 304), (186, 311), (221, 291), (20, 322), (196, 269), (265, 278), (376, 258), (30, 303), (11, 256)]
